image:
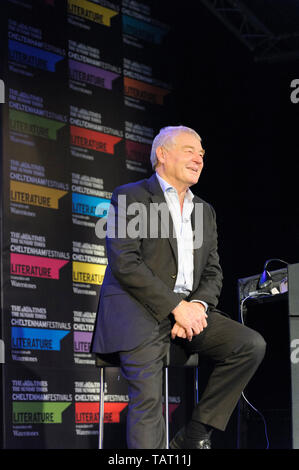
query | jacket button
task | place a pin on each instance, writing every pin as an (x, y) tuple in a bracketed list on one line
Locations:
[(173, 276)]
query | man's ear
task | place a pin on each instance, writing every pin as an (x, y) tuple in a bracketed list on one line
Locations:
[(160, 154)]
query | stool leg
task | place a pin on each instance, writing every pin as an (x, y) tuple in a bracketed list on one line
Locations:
[(166, 406), (101, 415), (196, 391)]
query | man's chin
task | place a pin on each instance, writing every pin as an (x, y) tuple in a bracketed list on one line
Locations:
[(193, 180)]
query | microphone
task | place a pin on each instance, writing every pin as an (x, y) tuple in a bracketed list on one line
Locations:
[(265, 282)]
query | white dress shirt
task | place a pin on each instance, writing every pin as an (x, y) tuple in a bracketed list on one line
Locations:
[(184, 236)]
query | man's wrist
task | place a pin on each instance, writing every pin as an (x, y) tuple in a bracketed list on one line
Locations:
[(178, 305), (202, 303)]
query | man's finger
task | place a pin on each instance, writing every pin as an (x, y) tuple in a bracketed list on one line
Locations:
[(181, 333), (178, 330), (197, 328), (174, 331), (202, 323), (189, 333)]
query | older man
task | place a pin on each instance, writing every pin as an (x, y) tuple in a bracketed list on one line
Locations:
[(163, 283)]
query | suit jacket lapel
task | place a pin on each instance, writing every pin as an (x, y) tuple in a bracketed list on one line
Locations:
[(157, 197)]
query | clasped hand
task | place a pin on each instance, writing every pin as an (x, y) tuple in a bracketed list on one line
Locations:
[(190, 320)]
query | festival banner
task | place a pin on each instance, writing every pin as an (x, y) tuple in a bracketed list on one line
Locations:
[(86, 94)]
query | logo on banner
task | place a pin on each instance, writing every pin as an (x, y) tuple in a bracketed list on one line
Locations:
[(35, 195), (137, 151), (92, 12), (38, 412), (93, 140), (34, 125), (82, 341), (92, 75), (37, 338), (90, 205), (144, 91), (143, 29), (89, 412), (33, 56), (88, 273), (171, 409), (36, 266)]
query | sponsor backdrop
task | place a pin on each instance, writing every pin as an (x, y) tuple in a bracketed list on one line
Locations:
[(87, 87)]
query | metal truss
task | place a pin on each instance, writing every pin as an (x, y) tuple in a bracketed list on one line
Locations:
[(265, 45)]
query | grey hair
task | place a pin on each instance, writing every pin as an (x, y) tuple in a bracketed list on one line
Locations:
[(166, 136)]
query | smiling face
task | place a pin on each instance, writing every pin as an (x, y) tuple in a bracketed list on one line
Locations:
[(180, 163)]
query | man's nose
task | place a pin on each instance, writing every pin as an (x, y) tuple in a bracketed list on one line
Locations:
[(198, 158)]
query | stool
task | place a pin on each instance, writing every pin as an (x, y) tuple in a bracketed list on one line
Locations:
[(176, 357)]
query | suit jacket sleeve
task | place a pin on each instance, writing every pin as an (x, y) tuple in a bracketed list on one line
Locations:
[(127, 263), (210, 282)]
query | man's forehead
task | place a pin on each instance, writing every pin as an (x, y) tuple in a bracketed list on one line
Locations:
[(188, 139)]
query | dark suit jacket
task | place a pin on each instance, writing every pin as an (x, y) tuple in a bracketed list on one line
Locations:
[(137, 291)]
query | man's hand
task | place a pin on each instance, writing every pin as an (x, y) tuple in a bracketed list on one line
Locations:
[(179, 331), (190, 320)]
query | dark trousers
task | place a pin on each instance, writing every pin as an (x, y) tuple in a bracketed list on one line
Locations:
[(235, 351)]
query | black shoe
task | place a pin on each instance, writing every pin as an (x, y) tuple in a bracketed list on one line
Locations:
[(181, 441)]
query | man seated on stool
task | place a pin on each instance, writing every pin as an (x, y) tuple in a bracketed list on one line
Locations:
[(164, 284)]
